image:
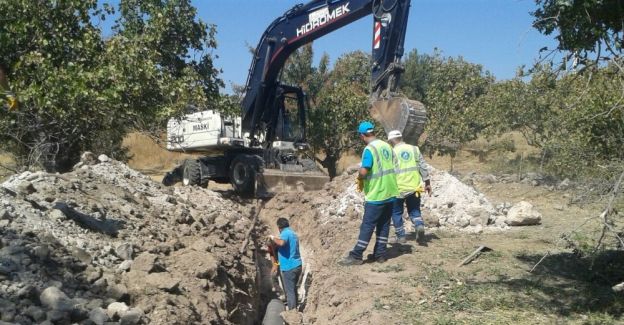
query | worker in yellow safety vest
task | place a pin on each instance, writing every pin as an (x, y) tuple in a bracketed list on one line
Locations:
[(377, 180), (412, 179)]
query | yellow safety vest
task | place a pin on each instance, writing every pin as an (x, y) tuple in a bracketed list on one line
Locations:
[(407, 172), (380, 183)]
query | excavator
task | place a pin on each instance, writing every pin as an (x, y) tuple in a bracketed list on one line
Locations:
[(264, 150)]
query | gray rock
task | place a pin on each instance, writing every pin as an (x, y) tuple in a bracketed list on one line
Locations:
[(147, 262), (131, 317), (58, 316), (5, 214), (124, 251), (81, 255), (125, 266), (116, 310), (98, 315), (221, 222), (163, 281), (88, 158), (42, 251), (56, 214), (523, 214), (55, 299), (25, 188), (117, 291), (28, 291), (93, 274), (103, 158)]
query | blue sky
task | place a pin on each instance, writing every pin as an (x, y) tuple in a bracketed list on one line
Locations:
[(494, 33)]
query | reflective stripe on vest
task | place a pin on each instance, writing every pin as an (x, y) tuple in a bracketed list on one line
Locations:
[(408, 173), (380, 184)]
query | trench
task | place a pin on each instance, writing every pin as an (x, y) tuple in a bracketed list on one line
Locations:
[(271, 297)]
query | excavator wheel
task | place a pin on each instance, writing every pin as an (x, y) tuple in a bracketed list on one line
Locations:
[(191, 173), (243, 174), (403, 114)]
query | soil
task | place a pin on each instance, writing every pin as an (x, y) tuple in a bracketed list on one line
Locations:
[(105, 243)]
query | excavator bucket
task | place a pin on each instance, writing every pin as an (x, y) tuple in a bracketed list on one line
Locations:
[(400, 113), (274, 181)]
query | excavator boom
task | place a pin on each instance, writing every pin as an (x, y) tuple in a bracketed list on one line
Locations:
[(305, 23)]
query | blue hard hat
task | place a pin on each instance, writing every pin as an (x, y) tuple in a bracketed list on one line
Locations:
[(365, 127)]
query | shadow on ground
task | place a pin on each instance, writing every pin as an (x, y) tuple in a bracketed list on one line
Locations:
[(565, 284)]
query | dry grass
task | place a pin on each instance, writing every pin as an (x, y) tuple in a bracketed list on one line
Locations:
[(149, 156)]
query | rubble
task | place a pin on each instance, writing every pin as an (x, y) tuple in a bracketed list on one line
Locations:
[(105, 243), (453, 204)]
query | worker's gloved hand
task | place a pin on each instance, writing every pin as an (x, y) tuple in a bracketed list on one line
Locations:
[(428, 187), (360, 184), (274, 269)]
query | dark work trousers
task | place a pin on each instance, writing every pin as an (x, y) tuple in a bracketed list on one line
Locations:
[(290, 278), (412, 202), (376, 219)]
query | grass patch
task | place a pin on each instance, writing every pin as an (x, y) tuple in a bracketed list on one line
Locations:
[(391, 268)]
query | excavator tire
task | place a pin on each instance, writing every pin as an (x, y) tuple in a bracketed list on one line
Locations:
[(191, 173), (243, 172)]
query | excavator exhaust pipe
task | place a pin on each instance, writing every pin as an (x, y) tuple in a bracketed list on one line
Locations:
[(400, 113)]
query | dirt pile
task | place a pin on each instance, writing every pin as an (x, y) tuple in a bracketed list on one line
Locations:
[(105, 243)]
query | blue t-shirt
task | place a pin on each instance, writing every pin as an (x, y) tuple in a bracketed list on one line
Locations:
[(367, 162), (288, 254)]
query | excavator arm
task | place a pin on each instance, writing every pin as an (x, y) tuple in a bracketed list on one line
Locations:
[(305, 23)]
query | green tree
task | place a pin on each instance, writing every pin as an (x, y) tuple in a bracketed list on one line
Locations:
[(342, 104), (586, 30), (448, 87), (79, 91)]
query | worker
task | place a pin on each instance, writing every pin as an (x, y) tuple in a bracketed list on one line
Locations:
[(377, 180), (412, 178), (289, 260)]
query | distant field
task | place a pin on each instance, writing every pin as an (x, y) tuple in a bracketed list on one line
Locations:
[(150, 157)]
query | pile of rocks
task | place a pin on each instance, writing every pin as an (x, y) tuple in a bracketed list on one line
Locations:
[(105, 243), (453, 204)]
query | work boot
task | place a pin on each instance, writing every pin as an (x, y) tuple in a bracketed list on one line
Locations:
[(420, 233), (372, 258), (350, 260)]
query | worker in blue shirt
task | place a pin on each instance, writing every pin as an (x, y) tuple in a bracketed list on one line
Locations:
[(289, 260)]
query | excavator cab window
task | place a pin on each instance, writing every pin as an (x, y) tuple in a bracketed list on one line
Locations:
[(291, 117)]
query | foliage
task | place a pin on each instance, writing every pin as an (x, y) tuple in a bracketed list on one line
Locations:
[(587, 30), (575, 119), (448, 87), (80, 91), (339, 100)]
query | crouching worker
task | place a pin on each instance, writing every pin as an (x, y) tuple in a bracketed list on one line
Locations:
[(411, 173), (289, 260)]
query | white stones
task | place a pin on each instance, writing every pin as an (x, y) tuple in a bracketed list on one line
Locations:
[(116, 310), (55, 299), (523, 214)]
